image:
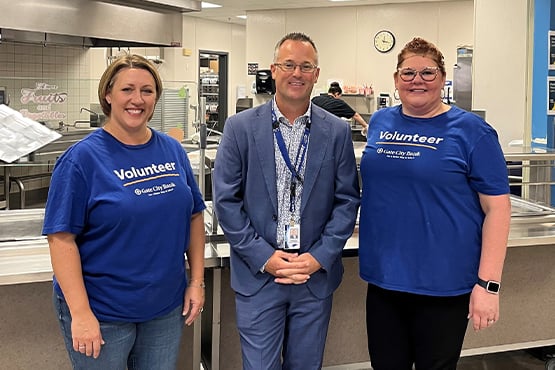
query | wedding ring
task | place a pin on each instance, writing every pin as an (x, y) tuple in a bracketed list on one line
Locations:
[(82, 346), (490, 321), (201, 309)]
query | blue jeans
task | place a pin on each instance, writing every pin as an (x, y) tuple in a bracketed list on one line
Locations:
[(146, 345)]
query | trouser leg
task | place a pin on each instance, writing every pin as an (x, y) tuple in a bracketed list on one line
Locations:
[(440, 325), (387, 329)]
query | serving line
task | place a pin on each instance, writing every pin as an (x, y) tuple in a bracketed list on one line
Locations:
[(24, 255)]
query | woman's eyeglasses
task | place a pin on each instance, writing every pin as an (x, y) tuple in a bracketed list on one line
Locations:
[(427, 74)]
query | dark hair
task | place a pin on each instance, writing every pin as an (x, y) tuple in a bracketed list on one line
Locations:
[(335, 88), (110, 74), (295, 36), (422, 47)]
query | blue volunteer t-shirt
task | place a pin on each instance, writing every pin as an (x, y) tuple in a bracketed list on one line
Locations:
[(130, 208), (420, 220)]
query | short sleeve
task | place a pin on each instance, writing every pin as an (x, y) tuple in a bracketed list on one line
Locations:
[(488, 169), (66, 206)]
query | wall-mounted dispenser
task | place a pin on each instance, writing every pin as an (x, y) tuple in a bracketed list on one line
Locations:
[(264, 82)]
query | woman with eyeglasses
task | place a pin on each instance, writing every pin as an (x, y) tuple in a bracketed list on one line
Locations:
[(434, 221)]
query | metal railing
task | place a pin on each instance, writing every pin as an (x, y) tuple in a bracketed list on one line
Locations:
[(531, 176)]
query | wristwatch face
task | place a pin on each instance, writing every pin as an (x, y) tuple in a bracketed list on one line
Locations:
[(490, 286), (384, 41), (493, 287)]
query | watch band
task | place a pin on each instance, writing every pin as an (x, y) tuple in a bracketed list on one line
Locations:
[(491, 286)]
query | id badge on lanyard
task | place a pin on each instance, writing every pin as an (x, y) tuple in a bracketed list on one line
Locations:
[(292, 236), (292, 229)]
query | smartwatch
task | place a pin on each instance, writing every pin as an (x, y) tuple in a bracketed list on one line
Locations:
[(491, 286)]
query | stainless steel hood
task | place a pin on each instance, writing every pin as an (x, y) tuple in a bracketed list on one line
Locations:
[(95, 23), (53, 39), (181, 6)]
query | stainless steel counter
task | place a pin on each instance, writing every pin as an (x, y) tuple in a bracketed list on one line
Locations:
[(24, 256), (531, 224), (24, 259)]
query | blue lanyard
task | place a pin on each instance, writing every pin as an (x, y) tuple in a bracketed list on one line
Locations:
[(299, 159)]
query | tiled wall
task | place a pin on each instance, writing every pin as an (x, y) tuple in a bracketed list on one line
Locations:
[(34, 74), (26, 66), (22, 66)]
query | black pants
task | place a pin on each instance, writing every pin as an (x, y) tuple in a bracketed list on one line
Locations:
[(405, 329)]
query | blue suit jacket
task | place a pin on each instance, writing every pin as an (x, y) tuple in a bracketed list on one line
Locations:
[(245, 197)]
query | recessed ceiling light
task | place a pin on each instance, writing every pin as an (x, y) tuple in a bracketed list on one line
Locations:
[(242, 16), (206, 5)]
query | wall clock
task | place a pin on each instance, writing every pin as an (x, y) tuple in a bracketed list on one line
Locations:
[(384, 41)]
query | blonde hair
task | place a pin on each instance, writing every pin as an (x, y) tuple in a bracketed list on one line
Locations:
[(110, 74)]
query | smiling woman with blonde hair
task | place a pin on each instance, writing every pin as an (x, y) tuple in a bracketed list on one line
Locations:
[(122, 211)]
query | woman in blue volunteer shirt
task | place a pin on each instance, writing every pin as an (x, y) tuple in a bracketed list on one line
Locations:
[(123, 209), (434, 221)]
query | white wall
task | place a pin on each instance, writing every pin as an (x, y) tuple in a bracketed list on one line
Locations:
[(497, 29), (200, 34), (343, 36), (501, 66)]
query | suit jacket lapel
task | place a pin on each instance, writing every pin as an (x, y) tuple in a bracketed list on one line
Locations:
[(264, 140), (320, 136)]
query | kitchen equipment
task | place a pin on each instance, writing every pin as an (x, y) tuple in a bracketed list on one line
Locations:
[(264, 82), (4, 97), (243, 104), (462, 78), (384, 100)]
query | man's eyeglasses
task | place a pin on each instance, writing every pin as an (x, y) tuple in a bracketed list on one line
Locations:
[(427, 74), (290, 67)]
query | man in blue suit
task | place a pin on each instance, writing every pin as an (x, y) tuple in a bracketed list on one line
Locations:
[(286, 195)]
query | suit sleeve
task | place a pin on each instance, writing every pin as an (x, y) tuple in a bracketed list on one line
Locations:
[(230, 171), (342, 219)]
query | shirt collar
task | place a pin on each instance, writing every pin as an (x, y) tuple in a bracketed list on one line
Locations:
[(282, 119)]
